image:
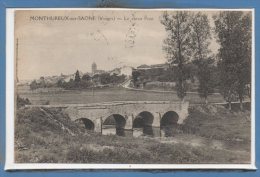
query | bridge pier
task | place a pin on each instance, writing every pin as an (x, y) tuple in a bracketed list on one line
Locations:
[(156, 124), (129, 125), (98, 125)]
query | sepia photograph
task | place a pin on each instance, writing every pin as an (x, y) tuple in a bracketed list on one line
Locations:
[(133, 86)]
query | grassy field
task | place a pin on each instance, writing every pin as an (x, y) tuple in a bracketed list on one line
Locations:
[(211, 134), (107, 95)]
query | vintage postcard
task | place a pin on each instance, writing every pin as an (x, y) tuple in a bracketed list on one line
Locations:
[(130, 89)]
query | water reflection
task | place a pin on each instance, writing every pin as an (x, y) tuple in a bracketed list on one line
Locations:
[(143, 122), (114, 125), (142, 125), (147, 131), (120, 131), (138, 132), (169, 123), (111, 130), (167, 131)]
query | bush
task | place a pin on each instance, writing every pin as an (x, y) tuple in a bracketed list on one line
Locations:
[(22, 102)]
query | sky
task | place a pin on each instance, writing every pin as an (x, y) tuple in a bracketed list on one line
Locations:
[(63, 41)]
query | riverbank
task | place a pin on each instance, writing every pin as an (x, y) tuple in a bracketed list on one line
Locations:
[(209, 135)]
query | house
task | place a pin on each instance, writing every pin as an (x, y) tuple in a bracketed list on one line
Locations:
[(124, 70)]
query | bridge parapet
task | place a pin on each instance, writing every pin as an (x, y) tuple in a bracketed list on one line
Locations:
[(130, 110)]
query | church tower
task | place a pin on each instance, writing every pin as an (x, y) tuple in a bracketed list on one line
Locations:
[(94, 68)]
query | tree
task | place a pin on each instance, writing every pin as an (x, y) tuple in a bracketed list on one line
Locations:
[(135, 75), (105, 78), (233, 29), (22, 102), (205, 78), (70, 84), (85, 84), (200, 42), (42, 83), (77, 79), (177, 45), (86, 77), (33, 85), (244, 67), (85, 81), (60, 83)]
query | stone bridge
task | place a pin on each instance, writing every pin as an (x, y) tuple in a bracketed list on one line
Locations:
[(156, 118)]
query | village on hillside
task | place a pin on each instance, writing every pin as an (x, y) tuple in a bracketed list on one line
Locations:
[(158, 76)]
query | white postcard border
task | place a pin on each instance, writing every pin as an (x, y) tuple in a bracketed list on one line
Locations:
[(11, 165)]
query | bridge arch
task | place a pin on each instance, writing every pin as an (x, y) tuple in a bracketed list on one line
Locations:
[(169, 123), (143, 121), (114, 124), (87, 123)]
